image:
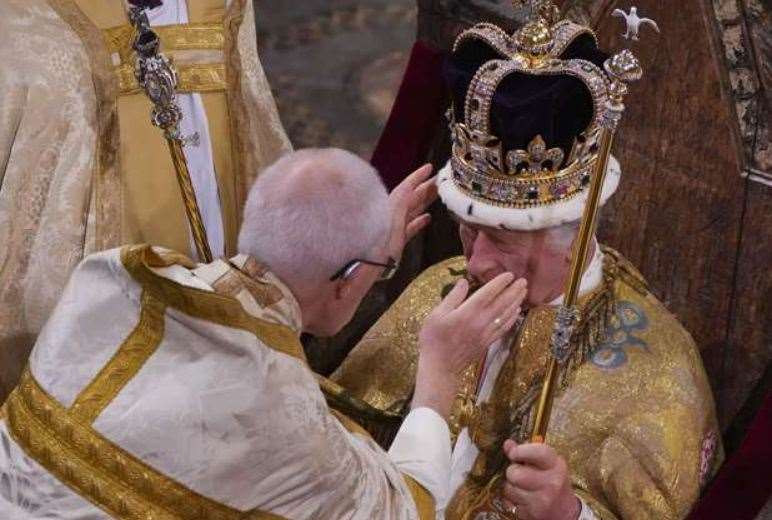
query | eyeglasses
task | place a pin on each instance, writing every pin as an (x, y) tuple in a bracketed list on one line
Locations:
[(345, 272)]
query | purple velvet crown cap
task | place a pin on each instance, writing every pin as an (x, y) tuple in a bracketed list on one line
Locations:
[(145, 4), (556, 107)]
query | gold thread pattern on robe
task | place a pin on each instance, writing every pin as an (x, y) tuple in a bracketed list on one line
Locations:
[(205, 305), (141, 343), (196, 77), (100, 471), (630, 420), (108, 190)]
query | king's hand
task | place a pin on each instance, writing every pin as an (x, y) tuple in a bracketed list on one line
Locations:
[(537, 483)]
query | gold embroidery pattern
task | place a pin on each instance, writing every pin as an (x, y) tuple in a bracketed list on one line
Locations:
[(202, 77), (510, 410), (124, 365), (206, 77), (205, 305), (204, 35), (100, 471), (207, 35), (235, 281)]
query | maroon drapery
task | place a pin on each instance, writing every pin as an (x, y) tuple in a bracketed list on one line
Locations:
[(421, 100), (744, 483)]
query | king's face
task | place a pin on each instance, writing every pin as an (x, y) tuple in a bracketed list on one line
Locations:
[(539, 256)]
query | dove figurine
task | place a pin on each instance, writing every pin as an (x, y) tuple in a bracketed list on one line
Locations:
[(634, 22)]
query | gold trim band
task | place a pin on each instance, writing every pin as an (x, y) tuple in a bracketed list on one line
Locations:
[(424, 502), (201, 77), (204, 77), (124, 365), (173, 37), (206, 305), (98, 470), (203, 35)]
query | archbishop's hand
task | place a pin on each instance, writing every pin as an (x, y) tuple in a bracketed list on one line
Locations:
[(537, 483), (409, 202), (457, 333)]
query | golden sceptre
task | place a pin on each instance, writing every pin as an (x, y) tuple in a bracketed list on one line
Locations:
[(622, 69), (157, 77)]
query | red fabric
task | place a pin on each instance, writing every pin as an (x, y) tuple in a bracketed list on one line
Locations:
[(744, 483), (421, 100)]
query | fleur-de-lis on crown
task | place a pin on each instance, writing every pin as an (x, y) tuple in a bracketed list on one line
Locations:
[(536, 159)]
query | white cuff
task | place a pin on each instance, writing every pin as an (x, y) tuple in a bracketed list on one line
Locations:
[(421, 450), (586, 513)]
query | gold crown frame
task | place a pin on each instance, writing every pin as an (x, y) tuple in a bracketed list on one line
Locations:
[(532, 177)]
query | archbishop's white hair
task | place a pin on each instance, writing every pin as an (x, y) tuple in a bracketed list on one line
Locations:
[(312, 211)]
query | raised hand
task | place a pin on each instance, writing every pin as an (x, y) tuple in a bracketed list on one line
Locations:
[(409, 202), (457, 333)]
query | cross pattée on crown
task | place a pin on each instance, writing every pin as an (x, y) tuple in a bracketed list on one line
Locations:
[(485, 150)]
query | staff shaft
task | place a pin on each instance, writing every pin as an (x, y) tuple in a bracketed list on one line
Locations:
[(578, 262), (197, 228)]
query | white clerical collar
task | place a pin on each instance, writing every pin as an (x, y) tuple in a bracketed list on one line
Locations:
[(592, 277)]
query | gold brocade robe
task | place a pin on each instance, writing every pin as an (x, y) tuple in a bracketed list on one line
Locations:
[(634, 416), (81, 167)]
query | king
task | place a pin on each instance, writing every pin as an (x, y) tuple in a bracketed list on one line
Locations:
[(633, 431)]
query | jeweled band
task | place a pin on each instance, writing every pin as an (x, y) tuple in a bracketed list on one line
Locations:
[(514, 192)]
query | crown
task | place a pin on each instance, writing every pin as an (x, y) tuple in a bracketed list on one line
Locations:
[(542, 174)]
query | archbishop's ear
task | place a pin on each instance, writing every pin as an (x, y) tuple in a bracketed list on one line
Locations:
[(343, 286)]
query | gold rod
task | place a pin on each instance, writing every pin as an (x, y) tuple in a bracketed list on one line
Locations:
[(578, 261), (156, 76), (189, 198)]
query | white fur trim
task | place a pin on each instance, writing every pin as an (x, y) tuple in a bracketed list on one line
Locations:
[(526, 219)]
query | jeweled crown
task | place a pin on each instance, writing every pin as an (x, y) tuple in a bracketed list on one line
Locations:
[(540, 174)]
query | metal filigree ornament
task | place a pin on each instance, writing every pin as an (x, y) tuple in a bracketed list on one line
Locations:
[(536, 159), (565, 322), (622, 68), (156, 76)]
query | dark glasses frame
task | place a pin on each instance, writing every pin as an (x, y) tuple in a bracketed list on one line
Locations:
[(389, 268)]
